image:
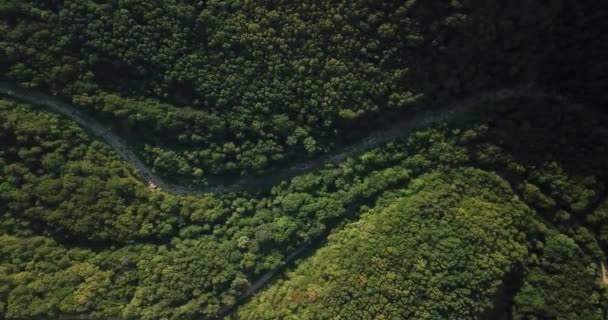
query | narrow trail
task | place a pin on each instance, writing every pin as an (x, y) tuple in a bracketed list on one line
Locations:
[(417, 121)]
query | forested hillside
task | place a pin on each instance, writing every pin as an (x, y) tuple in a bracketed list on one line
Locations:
[(237, 87), (437, 249), (82, 236), (518, 237), (404, 203)]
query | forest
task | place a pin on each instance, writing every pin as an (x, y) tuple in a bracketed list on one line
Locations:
[(239, 87), (500, 213), (449, 205)]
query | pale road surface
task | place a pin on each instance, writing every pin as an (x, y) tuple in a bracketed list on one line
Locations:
[(418, 120)]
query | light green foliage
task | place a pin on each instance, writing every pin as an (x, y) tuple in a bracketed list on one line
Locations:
[(440, 251), (80, 234), (558, 273), (56, 177), (76, 192)]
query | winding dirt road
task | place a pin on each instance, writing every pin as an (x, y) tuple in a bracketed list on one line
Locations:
[(418, 120)]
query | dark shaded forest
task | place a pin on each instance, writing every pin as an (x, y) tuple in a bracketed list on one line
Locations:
[(214, 87)]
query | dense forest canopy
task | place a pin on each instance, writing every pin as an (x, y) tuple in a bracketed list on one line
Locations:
[(502, 213), (426, 255), (206, 87), (82, 235)]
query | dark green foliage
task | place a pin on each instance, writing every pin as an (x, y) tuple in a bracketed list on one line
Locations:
[(548, 291), (599, 219), (214, 87), (577, 63)]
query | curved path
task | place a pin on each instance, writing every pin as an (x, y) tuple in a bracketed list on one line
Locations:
[(418, 120)]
